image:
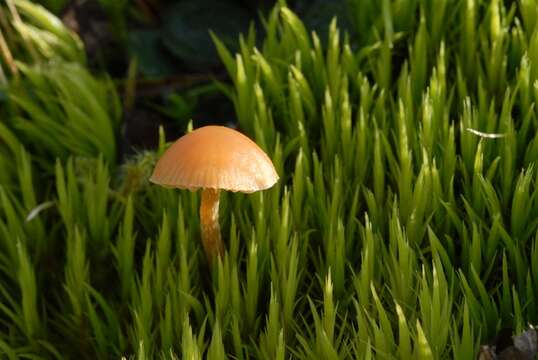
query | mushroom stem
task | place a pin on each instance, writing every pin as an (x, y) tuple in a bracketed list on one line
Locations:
[(209, 221)]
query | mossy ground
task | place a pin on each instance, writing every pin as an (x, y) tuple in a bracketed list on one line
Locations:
[(404, 225)]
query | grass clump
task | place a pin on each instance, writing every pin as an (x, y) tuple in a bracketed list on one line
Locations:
[(34, 34), (403, 226)]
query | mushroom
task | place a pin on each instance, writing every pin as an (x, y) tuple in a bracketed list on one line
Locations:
[(212, 158)]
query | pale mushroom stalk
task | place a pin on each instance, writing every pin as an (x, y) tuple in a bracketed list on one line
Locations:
[(209, 222)]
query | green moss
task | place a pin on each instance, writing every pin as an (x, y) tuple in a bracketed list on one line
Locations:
[(399, 227)]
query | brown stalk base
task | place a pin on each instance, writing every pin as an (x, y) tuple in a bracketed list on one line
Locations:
[(209, 221)]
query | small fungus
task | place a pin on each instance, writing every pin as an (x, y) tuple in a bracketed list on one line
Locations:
[(214, 158)]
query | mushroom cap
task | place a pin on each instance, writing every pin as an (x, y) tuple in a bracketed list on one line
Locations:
[(215, 157)]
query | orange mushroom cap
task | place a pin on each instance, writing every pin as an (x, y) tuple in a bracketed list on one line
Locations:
[(215, 157)]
